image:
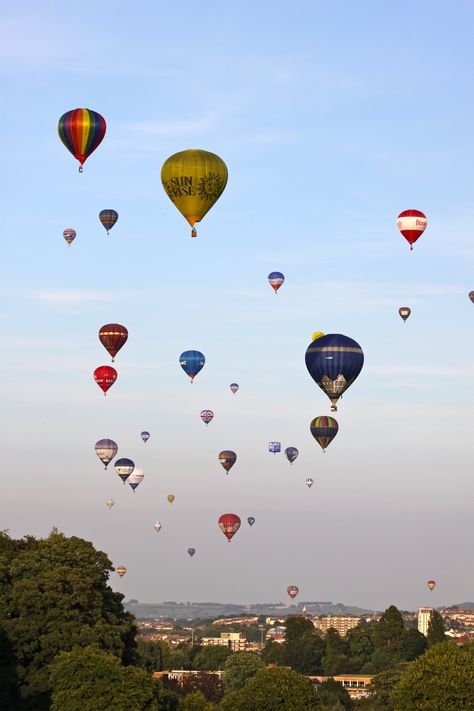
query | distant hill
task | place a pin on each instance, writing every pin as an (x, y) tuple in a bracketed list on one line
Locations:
[(194, 610)]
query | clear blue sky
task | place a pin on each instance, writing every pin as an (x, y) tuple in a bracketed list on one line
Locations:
[(332, 118)]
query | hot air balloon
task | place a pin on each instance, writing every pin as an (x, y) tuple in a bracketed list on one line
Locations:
[(234, 387), (274, 447), (106, 449), (124, 467), (334, 362), (292, 591), (324, 429), (471, 296), (229, 524), (412, 224), (194, 180), (109, 503), (207, 416), (191, 551), (192, 362), (316, 335), (404, 312), (309, 482), (121, 570), (251, 520), (81, 131), (157, 526), (276, 279), (227, 458), (69, 235), (171, 498), (135, 478), (113, 336), (108, 219), (105, 376), (291, 453), (145, 436), (431, 584)]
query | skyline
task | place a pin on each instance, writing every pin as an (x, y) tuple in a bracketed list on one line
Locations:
[(330, 125)]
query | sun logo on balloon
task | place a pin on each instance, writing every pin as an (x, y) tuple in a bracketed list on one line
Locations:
[(210, 186)]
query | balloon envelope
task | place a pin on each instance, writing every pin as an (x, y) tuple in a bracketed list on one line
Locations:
[(309, 482), (274, 447), (412, 224), (106, 449), (109, 503), (324, 429), (227, 458), (292, 591), (291, 453), (334, 362), (69, 235), (276, 279), (194, 180), (251, 520), (121, 570), (105, 376), (81, 131), (124, 467), (191, 551), (404, 312), (234, 386), (192, 362), (471, 296), (108, 219), (113, 336), (207, 416), (145, 436), (229, 524), (135, 478), (171, 498), (157, 526), (316, 335), (431, 584)]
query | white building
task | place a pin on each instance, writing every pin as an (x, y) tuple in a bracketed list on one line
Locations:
[(235, 641), (424, 617)]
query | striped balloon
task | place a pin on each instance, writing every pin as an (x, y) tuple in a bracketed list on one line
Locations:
[(108, 218), (276, 279), (81, 131), (324, 429), (69, 235)]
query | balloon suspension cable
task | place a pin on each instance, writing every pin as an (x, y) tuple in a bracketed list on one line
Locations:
[(194, 232), (81, 169)]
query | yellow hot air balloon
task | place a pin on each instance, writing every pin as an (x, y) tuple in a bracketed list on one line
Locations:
[(317, 334), (171, 498), (194, 180)]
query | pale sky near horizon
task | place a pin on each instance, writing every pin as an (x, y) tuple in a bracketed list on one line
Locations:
[(331, 118)]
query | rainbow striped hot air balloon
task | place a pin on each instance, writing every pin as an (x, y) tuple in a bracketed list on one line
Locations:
[(81, 131), (324, 429)]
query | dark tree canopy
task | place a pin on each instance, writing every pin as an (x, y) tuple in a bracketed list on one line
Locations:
[(435, 629), (240, 667), (273, 690)]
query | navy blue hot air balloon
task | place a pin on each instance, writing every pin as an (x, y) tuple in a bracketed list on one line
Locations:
[(192, 362), (251, 520), (334, 361), (108, 219), (291, 454)]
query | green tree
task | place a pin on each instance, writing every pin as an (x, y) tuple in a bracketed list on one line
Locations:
[(360, 646), (440, 680), (413, 645), (388, 631), (273, 690), (210, 658), (335, 660), (435, 629), (239, 668), (273, 653), (91, 680), (303, 647), (54, 596), (383, 685), (195, 702), (334, 697), (153, 655)]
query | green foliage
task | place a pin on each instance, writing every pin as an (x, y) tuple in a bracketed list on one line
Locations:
[(210, 658), (208, 684), (195, 702), (273, 690), (54, 596), (333, 696), (153, 656), (435, 629), (414, 644), (440, 680), (273, 653), (335, 661), (303, 647), (240, 667), (383, 685), (388, 632), (92, 680)]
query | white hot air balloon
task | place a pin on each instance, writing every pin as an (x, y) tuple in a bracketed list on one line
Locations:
[(157, 526)]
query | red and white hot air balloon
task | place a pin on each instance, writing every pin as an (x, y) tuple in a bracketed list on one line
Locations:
[(229, 524), (105, 376), (292, 591), (412, 224), (431, 584)]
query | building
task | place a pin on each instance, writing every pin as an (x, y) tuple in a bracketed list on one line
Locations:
[(276, 634), (356, 685), (424, 617), (235, 641), (341, 623)]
